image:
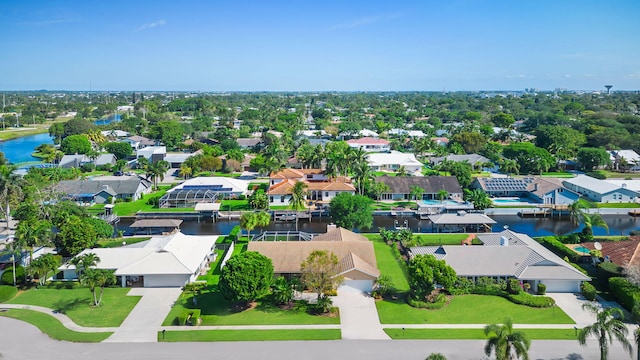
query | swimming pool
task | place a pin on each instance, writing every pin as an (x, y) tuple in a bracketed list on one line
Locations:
[(507, 201), (582, 249), (438, 202)]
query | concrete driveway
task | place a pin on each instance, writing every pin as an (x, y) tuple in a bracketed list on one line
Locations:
[(358, 316), (571, 304), (145, 320)]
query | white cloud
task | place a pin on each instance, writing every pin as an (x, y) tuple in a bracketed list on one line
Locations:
[(154, 24)]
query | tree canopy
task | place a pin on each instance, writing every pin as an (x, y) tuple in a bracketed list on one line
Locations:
[(351, 211), (246, 277)]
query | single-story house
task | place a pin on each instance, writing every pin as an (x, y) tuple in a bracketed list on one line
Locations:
[(356, 257), (248, 143), (175, 160), (409, 133), (599, 190), (507, 255), (550, 191), (393, 160), (400, 187), (370, 144), (204, 189), (319, 188), (502, 186), (626, 160), (138, 142), (163, 261), (76, 161), (476, 161), (99, 191)]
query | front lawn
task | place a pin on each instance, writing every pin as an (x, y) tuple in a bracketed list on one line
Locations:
[(234, 205), (250, 335), (111, 243), (78, 304), (476, 334), (216, 311), (132, 207), (617, 205), (470, 309), (54, 328)]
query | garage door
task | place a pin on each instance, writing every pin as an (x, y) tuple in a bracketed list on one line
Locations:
[(165, 280), (356, 286), (568, 286)]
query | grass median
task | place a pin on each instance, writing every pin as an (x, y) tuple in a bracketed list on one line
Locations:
[(475, 334), (249, 335), (54, 328)]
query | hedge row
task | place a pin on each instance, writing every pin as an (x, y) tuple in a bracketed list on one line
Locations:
[(524, 298), (627, 294), (588, 291), (559, 249), (608, 270)]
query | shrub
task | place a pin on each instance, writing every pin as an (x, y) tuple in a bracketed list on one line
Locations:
[(588, 291), (195, 317), (608, 270), (7, 276), (62, 284), (233, 235), (182, 318), (513, 286), (598, 174), (301, 306), (438, 302), (523, 298), (542, 289), (153, 200), (195, 286), (7, 292), (626, 294)]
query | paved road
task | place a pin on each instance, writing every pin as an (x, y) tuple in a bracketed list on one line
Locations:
[(24, 341)]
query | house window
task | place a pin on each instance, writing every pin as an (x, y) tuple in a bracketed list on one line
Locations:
[(326, 194), (281, 199), (270, 198)]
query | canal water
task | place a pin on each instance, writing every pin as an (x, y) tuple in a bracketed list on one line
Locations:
[(618, 225), (20, 149)]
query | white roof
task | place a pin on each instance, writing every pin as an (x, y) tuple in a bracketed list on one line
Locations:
[(367, 132), (173, 254), (236, 185), (455, 219), (116, 133), (629, 155), (393, 158), (177, 157), (593, 184), (633, 185), (150, 150)]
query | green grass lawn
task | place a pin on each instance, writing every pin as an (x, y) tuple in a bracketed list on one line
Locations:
[(77, 304), (476, 334), (440, 239), (470, 309), (378, 205), (111, 243), (617, 205), (234, 205), (558, 174), (130, 208), (389, 263), (249, 335), (216, 311), (54, 328)]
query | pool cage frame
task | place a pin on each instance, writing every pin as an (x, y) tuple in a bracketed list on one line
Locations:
[(188, 198)]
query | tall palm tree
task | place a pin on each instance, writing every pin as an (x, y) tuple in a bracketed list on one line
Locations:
[(416, 193), (362, 175), (509, 166), (10, 190), (298, 193), (442, 194), (505, 342), (576, 211), (84, 262), (591, 220), (156, 171), (608, 326), (248, 221), (402, 171)]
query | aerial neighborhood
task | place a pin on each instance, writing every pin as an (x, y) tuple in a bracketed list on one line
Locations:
[(227, 212)]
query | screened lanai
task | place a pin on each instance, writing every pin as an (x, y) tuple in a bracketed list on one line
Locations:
[(187, 198)]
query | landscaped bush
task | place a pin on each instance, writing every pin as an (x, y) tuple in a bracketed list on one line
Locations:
[(7, 276), (608, 270), (438, 302), (7, 292), (524, 298), (626, 294), (559, 248), (542, 289), (61, 284), (576, 266), (513, 286), (153, 200), (182, 318), (588, 291), (598, 174), (233, 234), (195, 286)]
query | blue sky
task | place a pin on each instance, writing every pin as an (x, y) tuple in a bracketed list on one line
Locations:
[(319, 45)]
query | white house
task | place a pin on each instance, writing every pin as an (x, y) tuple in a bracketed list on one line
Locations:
[(369, 144), (625, 160), (163, 261), (319, 188), (507, 255), (599, 190), (393, 160), (152, 153)]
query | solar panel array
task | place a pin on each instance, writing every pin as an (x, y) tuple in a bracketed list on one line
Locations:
[(506, 184)]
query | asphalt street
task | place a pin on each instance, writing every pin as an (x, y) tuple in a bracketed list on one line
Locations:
[(20, 341)]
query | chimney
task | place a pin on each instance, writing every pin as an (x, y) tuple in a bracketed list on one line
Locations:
[(331, 227)]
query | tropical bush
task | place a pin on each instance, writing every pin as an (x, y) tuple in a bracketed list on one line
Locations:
[(626, 294), (608, 270), (7, 276), (542, 289), (559, 248), (588, 291), (437, 302)]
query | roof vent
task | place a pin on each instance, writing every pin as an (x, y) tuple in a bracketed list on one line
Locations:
[(504, 241)]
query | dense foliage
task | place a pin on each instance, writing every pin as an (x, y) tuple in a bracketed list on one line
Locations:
[(246, 277)]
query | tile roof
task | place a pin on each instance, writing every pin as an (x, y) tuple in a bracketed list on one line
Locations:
[(622, 253), (430, 184)]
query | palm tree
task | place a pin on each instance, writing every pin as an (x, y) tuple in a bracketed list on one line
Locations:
[(591, 220), (157, 170), (185, 171), (442, 194), (362, 175), (34, 233), (97, 278), (248, 221), (608, 326), (576, 211), (298, 193), (10, 190), (84, 262), (636, 337), (402, 171), (509, 166), (416, 193), (506, 343)]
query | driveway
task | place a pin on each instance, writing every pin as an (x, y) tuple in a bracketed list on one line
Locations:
[(358, 316), (145, 320), (571, 304)]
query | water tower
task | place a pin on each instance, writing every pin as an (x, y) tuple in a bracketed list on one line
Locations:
[(608, 88)]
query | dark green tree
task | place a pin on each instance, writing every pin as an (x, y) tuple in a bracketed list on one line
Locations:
[(425, 271), (121, 150), (246, 277), (351, 211), (77, 126), (75, 144), (590, 158), (75, 235)]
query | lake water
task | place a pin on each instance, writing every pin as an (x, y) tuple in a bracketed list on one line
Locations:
[(20, 149), (108, 120), (618, 225)]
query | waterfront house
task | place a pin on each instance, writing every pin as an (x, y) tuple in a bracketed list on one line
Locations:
[(163, 261), (370, 144), (320, 188), (393, 160), (599, 190), (100, 191), (204, 190), (77, 160), (356, 257), (400, 187), (550, 191), (477, 162), (508, 255)]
